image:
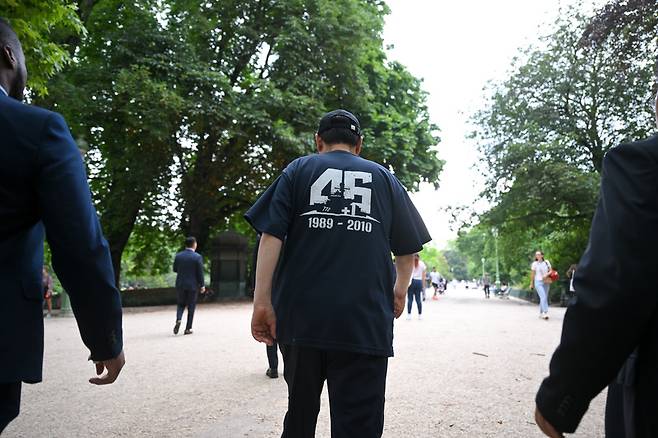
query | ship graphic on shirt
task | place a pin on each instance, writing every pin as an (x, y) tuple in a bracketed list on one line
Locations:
[(341, 193)]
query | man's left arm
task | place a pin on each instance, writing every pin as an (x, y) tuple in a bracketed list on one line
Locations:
[(615, 293), (199, 273), (80, 253)]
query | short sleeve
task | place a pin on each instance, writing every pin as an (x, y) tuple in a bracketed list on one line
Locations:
[(408, 231), (272, 212)]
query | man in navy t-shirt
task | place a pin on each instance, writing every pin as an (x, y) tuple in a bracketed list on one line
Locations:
[(334, 219)]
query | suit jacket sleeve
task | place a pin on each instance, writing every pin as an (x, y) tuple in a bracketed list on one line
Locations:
[(80, 254), (176, 263), (199, 272), (615, 289)]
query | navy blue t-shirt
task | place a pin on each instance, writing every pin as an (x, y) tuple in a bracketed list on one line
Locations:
[(340, 217)]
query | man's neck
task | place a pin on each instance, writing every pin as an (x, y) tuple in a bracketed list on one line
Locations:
[(339, 147)]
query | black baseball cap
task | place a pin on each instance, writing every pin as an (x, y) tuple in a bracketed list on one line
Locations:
[(339, 119)]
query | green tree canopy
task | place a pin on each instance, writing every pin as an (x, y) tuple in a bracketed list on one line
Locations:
[(264, 75), (545, 130), (43, 26), (189, 109), (434, 258)]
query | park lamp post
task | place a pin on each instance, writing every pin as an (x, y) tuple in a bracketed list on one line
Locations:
[(494, 232)]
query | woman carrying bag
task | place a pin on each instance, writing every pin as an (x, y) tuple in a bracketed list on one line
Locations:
[(541, 277)]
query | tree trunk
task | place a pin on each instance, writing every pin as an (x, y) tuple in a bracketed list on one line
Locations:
[(199, 227), (118, 222), (116, 255)]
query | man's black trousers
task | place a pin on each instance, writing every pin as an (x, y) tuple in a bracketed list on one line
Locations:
[(10, 402), (186, 298), (356, 384)]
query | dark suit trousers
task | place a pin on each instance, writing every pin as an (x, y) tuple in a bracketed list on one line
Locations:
[(273, 356), (186, 298), (356, 384), (620, 404), (10, 402)]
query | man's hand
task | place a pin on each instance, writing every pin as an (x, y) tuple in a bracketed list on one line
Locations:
[(399, 297), (113, 367), (545, 426), (263, 324)]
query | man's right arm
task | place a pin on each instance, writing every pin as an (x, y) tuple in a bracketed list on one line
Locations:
[(616, 296), (80, 254)]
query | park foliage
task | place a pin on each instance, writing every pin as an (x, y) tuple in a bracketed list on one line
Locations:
[(187, 110), (586, 87)]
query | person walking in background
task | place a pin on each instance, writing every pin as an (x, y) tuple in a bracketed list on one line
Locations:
[(539, 271), (272, 361), (189, 282), (415, 288), (47, 285), (43, 187), (336, 292), (571, 273), (610, 332), (435, 279), (486, 282), (426, 283)]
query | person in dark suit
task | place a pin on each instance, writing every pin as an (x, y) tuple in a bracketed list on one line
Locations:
[(610, 332), (43, 188), (189, 281)]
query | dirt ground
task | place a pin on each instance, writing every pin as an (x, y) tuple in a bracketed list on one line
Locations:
[(470, 368)]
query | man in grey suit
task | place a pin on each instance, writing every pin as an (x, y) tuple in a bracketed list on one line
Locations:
[(189, 281)]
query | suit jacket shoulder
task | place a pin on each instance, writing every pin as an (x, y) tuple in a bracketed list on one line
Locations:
[(643, 153), (23, 121)]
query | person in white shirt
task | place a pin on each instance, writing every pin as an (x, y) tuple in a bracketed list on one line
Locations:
[(435, 279), (539, 270), (416, 287)]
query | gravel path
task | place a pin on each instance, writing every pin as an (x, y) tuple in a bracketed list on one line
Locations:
[(470, 368)]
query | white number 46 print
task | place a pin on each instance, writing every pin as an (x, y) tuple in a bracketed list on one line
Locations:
[(344, 184)]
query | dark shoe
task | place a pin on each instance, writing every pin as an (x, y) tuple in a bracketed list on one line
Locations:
[(188, 331), (272, 374), (176, 327)]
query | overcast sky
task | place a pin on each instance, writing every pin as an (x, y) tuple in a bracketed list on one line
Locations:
[(456, 47)]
